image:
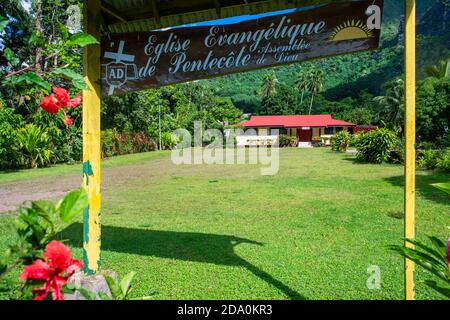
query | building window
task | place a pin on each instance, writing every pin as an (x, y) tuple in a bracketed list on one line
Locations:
[(282, 131), (339, 129), (329, 130)]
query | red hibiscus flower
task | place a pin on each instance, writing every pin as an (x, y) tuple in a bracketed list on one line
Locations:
[(60, 99), (54, 271), (49, 104), (68, 120), (75, 102)]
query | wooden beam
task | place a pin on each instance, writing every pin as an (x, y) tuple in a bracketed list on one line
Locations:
[(113, 12), (91, 139), (172, 13), (410, 138), (155, 10), (218, 7)]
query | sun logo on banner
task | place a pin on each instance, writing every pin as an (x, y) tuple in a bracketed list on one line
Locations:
[(351, 30)]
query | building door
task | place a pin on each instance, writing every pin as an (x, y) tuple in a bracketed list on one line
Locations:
[(304, 135)]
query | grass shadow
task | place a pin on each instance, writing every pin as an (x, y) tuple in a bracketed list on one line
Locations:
[(186, 246), (424, 186)]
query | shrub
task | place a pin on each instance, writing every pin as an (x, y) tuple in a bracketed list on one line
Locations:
[(398, 153), (376, 146), (341, 141), (34, 147), (353, 140), (10, 123), (168, 142), (429, 159), (444, 163), (142, 143), (115, 143), (287, 141), (66, 144)]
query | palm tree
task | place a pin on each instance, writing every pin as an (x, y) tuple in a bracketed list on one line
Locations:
[(316, 83), (268, 87), (302, 84), (394, 100), (440, 71)]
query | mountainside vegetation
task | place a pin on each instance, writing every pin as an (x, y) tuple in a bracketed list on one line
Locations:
[(363, 88), (348, 75)]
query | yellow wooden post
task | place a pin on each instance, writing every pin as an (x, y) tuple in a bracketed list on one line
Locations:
[(410, 136), (91, 139)]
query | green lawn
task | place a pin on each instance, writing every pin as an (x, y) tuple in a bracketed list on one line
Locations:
[(226, 232)]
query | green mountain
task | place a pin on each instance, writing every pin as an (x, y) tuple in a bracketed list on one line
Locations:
[(349, 74)]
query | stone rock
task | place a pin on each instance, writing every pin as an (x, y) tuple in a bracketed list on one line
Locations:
[(93, 283)]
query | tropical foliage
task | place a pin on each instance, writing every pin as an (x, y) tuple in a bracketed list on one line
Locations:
[(435, 259), (37, 225), (341, 141), (376, 146)]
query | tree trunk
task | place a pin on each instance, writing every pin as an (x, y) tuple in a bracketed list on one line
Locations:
[(303, 94), (310, 106), (38, 29)]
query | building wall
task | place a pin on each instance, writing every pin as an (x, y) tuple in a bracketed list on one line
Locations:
[(292, 132), (263, 131), (316, 132)]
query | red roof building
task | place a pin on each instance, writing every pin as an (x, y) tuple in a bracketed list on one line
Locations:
[(306, 129)]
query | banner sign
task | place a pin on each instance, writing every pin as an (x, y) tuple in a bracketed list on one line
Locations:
[(141, 60)]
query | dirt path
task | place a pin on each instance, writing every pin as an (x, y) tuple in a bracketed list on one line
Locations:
[(15, 194)]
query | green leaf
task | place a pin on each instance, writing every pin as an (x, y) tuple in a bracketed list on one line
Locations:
[(76, 78), (36, 40), (112, 286), (67, 289), (81, 39), (70, 286), (46, 210), (11, 57), (436, 254), (43, 208), (125, 284), (425, 261), (443, 187), (88, 295), (103, 295), (73, 204), (79, 84), (64, 31), (444, 290), (31, 78), (440, 247), (3, 23)]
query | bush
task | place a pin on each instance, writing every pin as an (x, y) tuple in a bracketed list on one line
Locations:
[(66, 144), (34, 147), (168, 142), (341, 141), (429, 159), (287, 141), (142, 143), (10, 123), (376, 146), (115, 143), (444, 163), (398, 153)]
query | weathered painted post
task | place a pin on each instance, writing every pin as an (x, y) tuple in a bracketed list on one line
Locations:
[(91, 139), (410, 136)]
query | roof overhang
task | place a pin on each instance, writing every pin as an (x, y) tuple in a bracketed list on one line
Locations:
[(121, 16)]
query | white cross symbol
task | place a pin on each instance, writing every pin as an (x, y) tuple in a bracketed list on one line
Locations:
[(119, 56)]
